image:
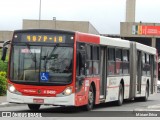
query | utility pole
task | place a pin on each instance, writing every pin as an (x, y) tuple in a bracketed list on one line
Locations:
[(54, 19), (39, 13)]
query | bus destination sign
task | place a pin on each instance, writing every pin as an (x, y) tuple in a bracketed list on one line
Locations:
[(54, 38)]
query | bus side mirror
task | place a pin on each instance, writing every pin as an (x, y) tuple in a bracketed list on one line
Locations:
[(4, 53), (4, 50)]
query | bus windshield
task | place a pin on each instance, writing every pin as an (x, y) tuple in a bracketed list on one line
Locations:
[(41, 64)]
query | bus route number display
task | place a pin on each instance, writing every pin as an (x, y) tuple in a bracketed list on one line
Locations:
[(44, 38)]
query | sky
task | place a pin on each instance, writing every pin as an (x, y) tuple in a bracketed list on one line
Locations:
[(104, 15)]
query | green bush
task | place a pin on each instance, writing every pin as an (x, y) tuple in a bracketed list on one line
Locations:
[(3, 83), (3, 75), (3, 65)]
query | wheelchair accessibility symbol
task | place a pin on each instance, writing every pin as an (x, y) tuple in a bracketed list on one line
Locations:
[(44, 76)]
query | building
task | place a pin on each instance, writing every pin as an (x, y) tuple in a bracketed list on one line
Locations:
[(5, 35), (81, 26), (145, 33)]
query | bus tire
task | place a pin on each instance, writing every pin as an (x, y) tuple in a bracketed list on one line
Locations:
[(120, 96), (145, 98), (91, 99), (34, 106)]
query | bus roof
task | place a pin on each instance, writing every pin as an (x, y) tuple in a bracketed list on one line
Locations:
[(146, 48), (117, 42), (43, 30), (92, 38)]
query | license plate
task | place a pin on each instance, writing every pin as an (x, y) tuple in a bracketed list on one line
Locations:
[(37, 100)]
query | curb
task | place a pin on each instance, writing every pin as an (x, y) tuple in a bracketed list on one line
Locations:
[(154, 107), (149, 108), (139, 109)]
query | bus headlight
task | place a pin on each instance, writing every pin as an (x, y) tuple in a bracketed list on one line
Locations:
[(66, 92), (12, 89)]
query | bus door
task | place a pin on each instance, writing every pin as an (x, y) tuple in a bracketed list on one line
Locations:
[(139, 71), (103, 72)]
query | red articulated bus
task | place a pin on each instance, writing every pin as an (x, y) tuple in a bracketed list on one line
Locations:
[(55, 67)]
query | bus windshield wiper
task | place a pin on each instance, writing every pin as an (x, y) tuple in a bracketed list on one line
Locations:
[(33, 56), (47, 57), (55, 47)]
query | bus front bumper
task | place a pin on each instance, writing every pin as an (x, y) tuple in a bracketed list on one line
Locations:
[(21, 99)]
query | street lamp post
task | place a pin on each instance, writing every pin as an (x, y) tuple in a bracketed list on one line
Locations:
[(39, 12), (54, 19)]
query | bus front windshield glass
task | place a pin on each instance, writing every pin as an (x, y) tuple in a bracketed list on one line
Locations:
[(41, 64)]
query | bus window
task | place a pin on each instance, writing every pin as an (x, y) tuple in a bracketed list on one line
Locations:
[(92, 60), (111, 61), (80, 59), (148, 65), (125, 59), (89, 60), (95, 60), (118, 61), (143, 64)]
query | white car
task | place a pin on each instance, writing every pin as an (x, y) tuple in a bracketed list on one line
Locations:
[(158, 86)]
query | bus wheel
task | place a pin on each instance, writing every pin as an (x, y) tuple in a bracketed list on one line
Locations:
[(34, 106), (91, 99), (145, 98), (120, 96)]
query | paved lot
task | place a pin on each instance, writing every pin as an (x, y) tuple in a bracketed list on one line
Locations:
[(2, 99)]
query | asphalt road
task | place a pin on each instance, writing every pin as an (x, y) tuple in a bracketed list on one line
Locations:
[(102, 110)]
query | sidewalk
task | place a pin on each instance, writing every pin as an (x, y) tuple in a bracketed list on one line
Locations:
[(4, 103), (149, 108), (3, 99)]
